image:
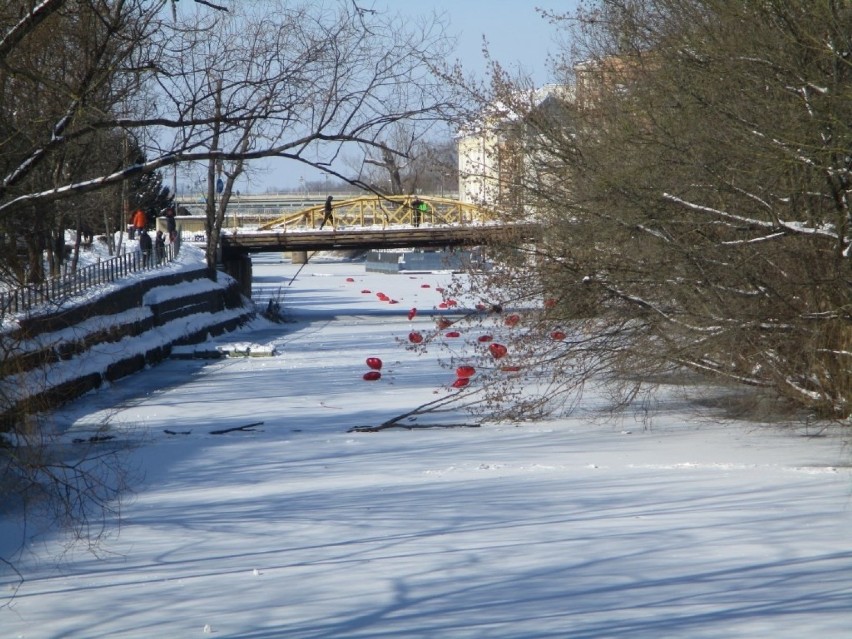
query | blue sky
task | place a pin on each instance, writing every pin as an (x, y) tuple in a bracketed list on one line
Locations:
[(517, 34), (518, 37)]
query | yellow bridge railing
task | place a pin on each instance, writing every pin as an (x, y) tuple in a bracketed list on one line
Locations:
[(384, 211)]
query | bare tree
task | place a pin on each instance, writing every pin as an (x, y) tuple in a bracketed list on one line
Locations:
[(211, 88), (695, 200), (300, 85), (409, 162)]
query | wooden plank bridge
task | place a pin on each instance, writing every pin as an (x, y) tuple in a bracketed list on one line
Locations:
[(365, 238), (373, 222)]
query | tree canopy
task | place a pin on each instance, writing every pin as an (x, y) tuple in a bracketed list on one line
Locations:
[(696, 196), (214, 85)]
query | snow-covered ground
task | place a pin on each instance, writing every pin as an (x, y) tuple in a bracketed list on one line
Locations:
[(294, 527)]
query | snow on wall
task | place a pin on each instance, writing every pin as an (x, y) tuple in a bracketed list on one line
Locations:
[(65, 354)]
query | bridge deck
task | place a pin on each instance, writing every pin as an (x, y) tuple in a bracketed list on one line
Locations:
[(366, 238)]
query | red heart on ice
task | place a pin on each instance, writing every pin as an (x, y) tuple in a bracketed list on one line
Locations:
[(465, 371), (497, 350)]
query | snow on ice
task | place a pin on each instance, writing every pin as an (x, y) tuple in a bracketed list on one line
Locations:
[(688, 526)]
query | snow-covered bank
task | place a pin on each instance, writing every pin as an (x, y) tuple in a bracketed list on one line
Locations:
[(569, 528), (59, 353)]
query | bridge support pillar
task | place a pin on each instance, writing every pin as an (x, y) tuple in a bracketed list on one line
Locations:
[(299, 257), (239, 267)]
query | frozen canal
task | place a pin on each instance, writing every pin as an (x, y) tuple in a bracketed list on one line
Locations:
[(296, 528)]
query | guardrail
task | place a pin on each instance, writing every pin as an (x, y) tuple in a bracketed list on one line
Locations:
[(57, 289), (371, 211)]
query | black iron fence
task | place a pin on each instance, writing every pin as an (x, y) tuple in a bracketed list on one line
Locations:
[(58, 289)]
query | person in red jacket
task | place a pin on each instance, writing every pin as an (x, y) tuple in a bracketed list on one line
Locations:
[(139, 221)]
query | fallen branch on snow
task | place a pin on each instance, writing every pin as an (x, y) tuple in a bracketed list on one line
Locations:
[(429, 407), (246, 428)]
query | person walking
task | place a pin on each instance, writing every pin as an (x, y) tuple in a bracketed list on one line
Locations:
[(327, 213), (419, 213), (415, 212)]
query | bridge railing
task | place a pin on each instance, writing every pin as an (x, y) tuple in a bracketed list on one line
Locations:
[(57, 289), (371, 211)]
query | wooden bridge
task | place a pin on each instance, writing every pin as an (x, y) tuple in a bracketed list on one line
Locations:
[(384, 211), (373, 222)]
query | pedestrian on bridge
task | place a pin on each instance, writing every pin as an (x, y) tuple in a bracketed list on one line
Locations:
[(420, 209), (327, 213), (415, 214)]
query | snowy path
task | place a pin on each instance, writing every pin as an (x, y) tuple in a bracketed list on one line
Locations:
[(562, 529)]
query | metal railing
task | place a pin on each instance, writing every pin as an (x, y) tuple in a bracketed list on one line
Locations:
[(58, 289), (369, 210)]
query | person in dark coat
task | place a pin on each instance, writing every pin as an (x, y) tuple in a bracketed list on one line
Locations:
[(145, 247), (171, 223), (160, 247), (415, 215), (327, 213)]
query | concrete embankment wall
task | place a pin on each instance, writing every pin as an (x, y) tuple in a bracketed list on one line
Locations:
[(56, 357)]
